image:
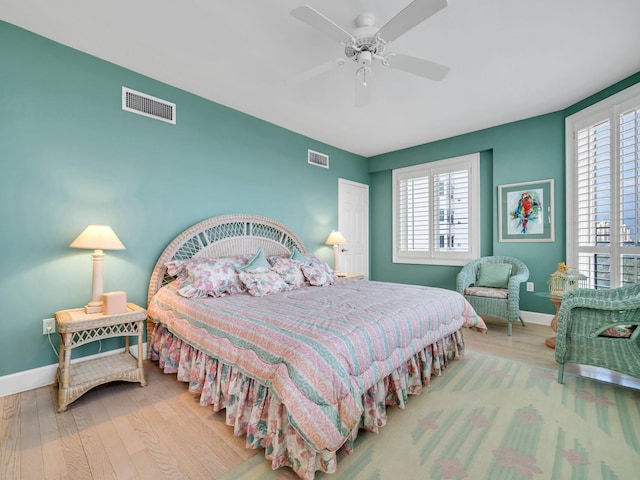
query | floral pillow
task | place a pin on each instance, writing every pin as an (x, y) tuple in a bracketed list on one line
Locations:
[(290, 271), (318, 275), (272, 259), (321, 264), (176, 268), (262, 281), (293, 255), (619, 331), (203, 277)]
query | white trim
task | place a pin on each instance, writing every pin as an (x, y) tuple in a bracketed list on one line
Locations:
[(470, 162), (344, 183), (533, 318), (607, 109), (27, 380), (537, 318), (43, 376)]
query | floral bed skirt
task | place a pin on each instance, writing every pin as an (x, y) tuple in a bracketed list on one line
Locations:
[(253, 411)]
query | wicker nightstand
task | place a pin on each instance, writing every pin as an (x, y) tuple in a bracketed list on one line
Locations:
[(77, 328), (354, 276)]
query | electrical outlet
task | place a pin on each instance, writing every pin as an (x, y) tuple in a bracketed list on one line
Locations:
[(529, 286), (48, 326)]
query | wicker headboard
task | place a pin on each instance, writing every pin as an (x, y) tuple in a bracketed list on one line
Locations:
[(223, 236), (220, 237)]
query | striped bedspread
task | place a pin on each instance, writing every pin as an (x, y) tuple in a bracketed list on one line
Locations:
[(318, 348)]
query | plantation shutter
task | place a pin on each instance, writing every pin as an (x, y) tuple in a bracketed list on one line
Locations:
[(629, 194), (414, 213), (594, 201), (436, 212), (604, 213), (451, 208)]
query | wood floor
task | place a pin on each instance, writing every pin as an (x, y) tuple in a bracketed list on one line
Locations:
[(113, 430)]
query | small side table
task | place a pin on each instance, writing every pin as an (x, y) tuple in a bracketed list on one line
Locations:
[(354, 276), (551, 341), (77, 328), (557, 301)]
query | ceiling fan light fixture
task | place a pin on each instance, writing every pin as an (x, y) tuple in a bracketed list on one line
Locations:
[(364, 58), (368, 42)]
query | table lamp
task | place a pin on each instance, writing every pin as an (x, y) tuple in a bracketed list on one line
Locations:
[(335, 239), (97, 238)]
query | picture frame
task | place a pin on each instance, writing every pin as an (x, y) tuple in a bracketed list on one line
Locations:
[(525, 212)]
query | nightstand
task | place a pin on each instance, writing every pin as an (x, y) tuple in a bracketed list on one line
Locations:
[(77, 328), (354, 276)]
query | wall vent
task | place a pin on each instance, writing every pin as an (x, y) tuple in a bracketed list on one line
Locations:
[(318, 159), (143, 104)]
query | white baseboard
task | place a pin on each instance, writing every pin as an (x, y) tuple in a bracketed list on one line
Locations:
[(531, 317), (537, 318), (43, 376)]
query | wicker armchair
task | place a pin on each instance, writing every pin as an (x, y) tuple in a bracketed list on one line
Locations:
[(507, 308), (583, 317)]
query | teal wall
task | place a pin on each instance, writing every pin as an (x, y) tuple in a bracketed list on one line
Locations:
[(382, 267), (524, 151), (70, 156)]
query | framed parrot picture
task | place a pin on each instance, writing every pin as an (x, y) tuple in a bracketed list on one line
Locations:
[(525, 212)]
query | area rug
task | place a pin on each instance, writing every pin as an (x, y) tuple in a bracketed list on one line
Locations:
[(491, 418)]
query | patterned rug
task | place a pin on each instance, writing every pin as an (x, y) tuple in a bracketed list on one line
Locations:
[(491, 418)]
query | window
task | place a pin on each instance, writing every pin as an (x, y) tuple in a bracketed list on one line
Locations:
[(603, 190), (436, 208)]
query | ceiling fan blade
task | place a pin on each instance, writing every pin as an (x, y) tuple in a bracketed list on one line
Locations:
[(316, 71), (315, 19), (418, 66), (413, 14), (363, 88)]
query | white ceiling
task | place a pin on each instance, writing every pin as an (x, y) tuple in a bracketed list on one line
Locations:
[(509, 59)]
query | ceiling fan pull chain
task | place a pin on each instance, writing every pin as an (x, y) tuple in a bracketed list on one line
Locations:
[(363, 71)]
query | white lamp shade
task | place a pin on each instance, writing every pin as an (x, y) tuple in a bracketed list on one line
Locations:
[(335, 238), (98, 237)]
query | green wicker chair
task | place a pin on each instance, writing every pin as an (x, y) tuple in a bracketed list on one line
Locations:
[(506, 308), (583, 317)]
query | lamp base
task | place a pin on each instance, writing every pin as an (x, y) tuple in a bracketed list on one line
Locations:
[(93, 307)]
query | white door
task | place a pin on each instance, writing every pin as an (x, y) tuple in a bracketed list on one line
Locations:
[(353, 223)]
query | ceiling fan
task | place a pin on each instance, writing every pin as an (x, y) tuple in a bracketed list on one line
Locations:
[(368, 43)]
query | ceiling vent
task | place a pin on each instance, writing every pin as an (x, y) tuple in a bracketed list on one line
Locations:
[(149, 106), (318, 159)]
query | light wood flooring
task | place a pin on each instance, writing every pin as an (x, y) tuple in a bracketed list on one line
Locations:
[(113, 430)]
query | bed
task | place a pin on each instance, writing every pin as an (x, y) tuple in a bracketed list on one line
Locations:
[(298, 370)]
